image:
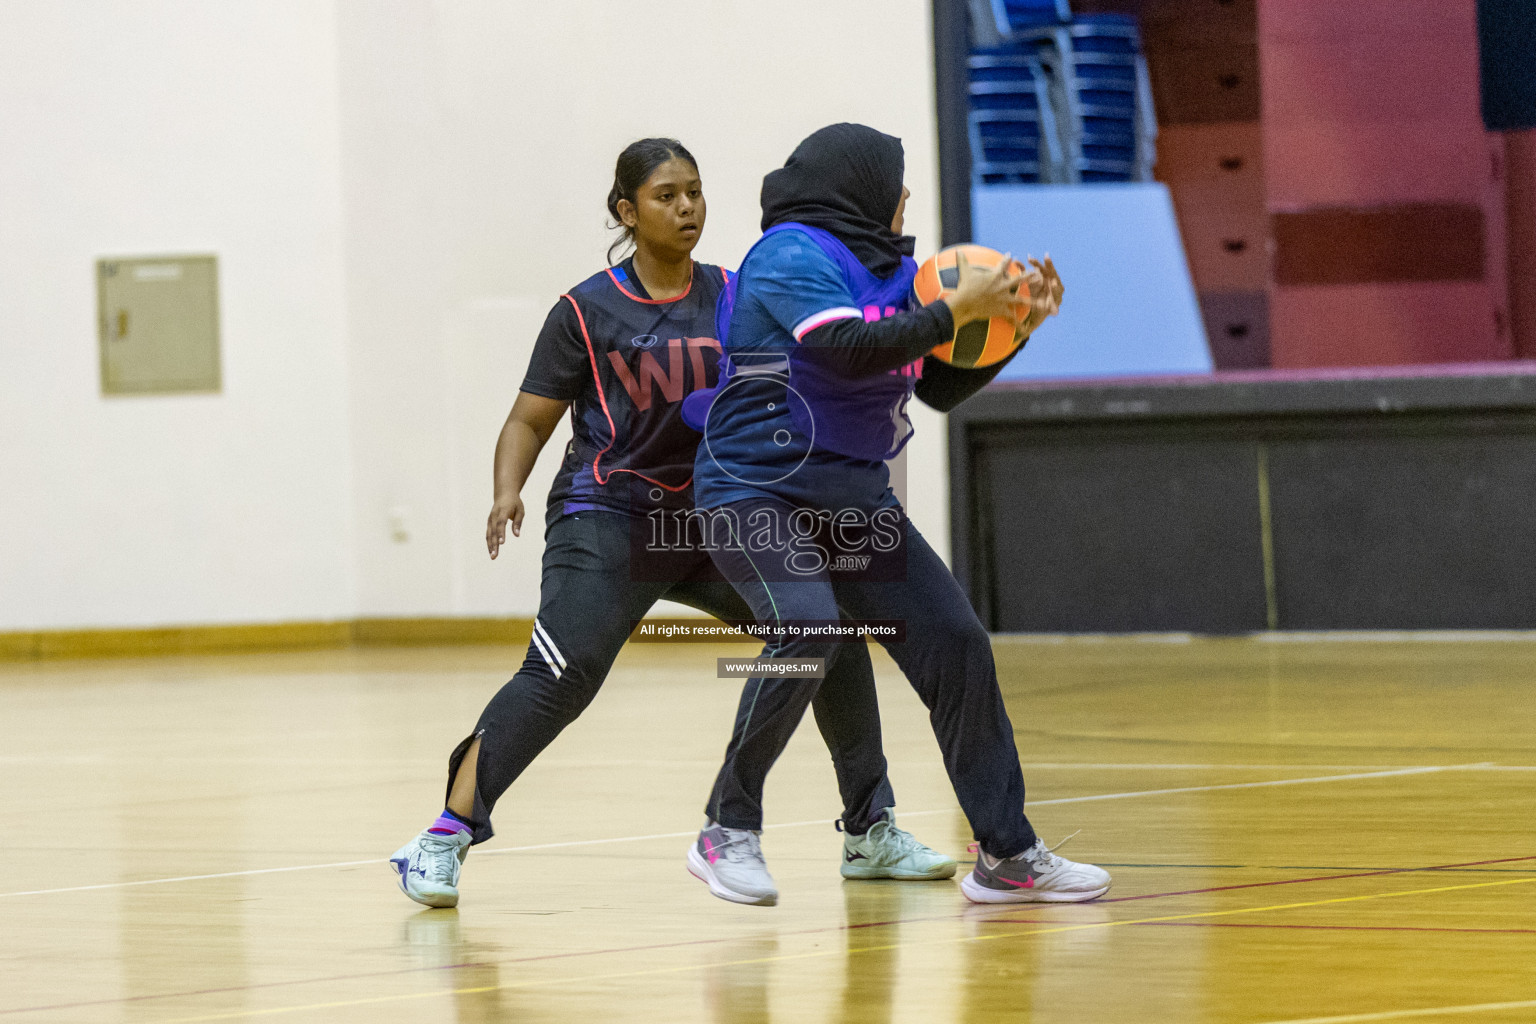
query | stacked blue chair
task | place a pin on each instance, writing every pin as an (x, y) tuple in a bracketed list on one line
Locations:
[(1014, 139), (996, 21), (1019, 15), (1100, 88), (1091, 95)]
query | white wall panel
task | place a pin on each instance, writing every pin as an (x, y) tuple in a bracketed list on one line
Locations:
[(172, 126), (397, 192)]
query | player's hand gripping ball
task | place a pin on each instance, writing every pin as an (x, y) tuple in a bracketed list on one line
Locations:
[(980, 343)]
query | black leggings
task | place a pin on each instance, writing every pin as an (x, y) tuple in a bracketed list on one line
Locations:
[(588, 601), (946, 655)]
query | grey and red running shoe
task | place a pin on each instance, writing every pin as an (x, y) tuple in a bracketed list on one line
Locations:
[(1037, 875), (730, 861)]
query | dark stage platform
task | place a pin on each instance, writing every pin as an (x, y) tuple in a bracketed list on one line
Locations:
[(1383, 499)]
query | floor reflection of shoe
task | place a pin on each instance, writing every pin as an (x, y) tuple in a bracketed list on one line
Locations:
[(886, 851), (1038, 875), (730, 861), (427, 933)]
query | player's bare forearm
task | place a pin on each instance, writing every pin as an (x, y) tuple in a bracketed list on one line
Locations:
[(526, 432), (528, 428)]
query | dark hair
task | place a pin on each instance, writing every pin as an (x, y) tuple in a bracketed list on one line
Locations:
[(635, 166)]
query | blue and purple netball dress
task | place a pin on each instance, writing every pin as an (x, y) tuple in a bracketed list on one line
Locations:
[(820, 345), (782, 423)]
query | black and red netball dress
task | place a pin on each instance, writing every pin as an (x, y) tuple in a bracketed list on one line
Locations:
[(625, 362)]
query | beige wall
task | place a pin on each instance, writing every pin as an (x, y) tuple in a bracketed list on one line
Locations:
[(397, 191), (172, 126), (478, 152)]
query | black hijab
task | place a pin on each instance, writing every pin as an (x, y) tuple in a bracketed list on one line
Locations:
[(845, 179)]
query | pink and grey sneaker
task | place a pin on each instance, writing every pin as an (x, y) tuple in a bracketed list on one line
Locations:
[(730, 861), (1037, 875)]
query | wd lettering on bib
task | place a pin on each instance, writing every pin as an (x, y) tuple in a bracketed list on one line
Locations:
[(639, 377)]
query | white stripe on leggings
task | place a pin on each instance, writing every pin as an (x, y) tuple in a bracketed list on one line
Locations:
[(539, 630), (545, 655)]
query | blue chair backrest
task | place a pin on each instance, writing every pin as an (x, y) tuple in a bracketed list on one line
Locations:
[(1021, 14)]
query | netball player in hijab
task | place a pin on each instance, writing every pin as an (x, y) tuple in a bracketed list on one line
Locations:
[(619, 351), (822, 357)]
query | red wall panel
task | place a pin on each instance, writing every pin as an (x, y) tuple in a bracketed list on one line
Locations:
[(1383, 325), (1374, 104)]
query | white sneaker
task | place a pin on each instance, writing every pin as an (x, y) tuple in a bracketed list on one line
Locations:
[(730, 861), (886, 851), (429, 867), (1037, 875)]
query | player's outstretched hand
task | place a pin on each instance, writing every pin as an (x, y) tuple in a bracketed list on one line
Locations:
[(981, 294), (1054, 288), (505, 510), (1045, 293)]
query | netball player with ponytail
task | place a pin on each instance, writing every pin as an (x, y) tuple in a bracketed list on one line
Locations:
[(823, 356), (619, 351)]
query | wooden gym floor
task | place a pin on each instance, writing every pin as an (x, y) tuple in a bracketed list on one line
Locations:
[(1299, 831)]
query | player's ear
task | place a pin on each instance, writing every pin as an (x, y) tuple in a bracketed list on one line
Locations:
[(628, 215)]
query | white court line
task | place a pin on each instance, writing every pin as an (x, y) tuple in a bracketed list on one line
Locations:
[(568, 762), (1135, 765), (1093, 638), (93, 759), (1482, 766), (571, 844), (618, 762), (1427, 636), (1258, 785), (1347, 636), (1433, 1011)]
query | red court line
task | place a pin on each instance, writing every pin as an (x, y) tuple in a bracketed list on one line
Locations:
[(969, 912), (1314, 878)]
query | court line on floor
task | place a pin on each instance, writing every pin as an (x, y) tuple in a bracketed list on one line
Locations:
[(1485, 766), (1374, 873), (1266, 783), (1432, 636), (1431, 1011), (1463, 867), (1325, 927), (1301, 867), (655, 972), (970, 910), (1374, 636), (571, 844), (175, 759)]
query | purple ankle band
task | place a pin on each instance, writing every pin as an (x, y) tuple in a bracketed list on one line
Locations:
[(447, 825)]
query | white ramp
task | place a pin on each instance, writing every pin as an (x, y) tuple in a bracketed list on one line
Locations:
[(1130, 306)]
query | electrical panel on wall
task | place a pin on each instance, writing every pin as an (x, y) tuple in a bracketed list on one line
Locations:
[(159, 324)]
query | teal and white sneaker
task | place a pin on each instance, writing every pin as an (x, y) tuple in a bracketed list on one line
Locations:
[(1038, 875), (730, 861), (429, 867), (886, 851)]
